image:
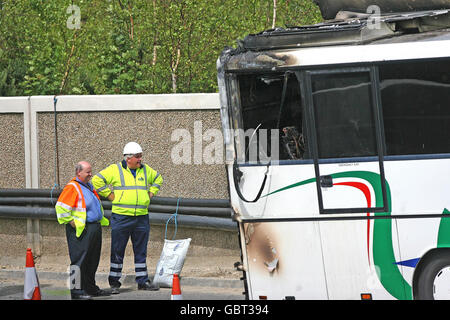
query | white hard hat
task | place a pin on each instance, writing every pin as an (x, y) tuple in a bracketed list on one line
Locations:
[(132, 148)]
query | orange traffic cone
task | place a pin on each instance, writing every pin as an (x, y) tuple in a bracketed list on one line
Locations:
[(176, 291), (31, 288)]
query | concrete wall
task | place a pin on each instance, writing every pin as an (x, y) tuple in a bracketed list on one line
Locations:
[(12, 153), (209, 251), (99, 137), (95, 128), (13, 231)]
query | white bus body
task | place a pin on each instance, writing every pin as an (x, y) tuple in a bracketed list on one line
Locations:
[(361, 210)]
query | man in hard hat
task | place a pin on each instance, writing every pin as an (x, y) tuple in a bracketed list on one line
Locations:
[(80, 209), (134, 184)]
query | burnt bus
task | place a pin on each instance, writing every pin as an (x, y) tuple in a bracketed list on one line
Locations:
[(337, 153)]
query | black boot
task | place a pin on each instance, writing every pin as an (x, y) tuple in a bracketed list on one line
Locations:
[(148, 286)]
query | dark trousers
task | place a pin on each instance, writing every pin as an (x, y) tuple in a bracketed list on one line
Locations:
[(122, 229), (84, 255)]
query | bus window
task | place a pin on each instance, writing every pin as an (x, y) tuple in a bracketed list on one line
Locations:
[(344, 115), (263, 112), (416, 107)]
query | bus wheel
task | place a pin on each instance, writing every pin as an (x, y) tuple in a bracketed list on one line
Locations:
[(434, 279)]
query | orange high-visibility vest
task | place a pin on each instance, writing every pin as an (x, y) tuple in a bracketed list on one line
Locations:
[(71, 206)]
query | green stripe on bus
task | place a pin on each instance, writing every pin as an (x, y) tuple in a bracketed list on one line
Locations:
[(383, 251), (443, 240)]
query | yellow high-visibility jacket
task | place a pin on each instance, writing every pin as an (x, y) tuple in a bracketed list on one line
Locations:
[(131, 195), (71, 206)]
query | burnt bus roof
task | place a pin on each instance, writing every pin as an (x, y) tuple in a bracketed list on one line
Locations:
[(352, 28), (329, 8), (349, 39)]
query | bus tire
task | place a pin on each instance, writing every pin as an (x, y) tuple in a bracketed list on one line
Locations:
[(429, 275)]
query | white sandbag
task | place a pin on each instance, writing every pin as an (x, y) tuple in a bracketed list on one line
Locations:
[(171, 261)]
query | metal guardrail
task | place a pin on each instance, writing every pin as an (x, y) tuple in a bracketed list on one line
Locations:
[(200, 213)]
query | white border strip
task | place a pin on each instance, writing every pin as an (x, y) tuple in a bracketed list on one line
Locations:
[(368, 53), (13, 104), (145, 102)]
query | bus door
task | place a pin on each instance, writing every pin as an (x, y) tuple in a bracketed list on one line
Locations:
[(346, 139)]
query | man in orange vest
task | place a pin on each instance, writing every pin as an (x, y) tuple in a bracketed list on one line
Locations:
[(80, 209)]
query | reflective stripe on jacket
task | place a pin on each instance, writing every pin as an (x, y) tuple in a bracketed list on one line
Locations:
[(71, 206), (131, 194)]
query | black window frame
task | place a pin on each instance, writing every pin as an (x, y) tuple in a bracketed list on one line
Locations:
[(379, 127)]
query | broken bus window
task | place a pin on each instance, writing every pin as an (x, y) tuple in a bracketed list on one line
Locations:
[(262, 109)]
